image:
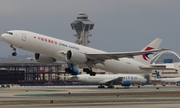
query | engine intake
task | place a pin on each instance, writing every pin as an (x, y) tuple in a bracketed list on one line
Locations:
[(43, 59), (75, 57)]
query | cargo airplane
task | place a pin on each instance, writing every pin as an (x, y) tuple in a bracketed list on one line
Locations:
[(48, 50)]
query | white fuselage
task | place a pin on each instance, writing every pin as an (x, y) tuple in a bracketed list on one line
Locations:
[(169, 80), (103, 79), (54, 47)]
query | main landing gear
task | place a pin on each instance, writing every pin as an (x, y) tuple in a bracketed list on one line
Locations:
[(110, 86), (14, 49), (101, 86), (68, 70), (89, 71)]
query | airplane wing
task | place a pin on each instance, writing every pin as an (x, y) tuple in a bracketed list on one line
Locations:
[(100, 58), (115, 81)]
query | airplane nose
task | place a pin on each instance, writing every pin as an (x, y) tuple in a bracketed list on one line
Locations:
[(6, 37), (2, 36)]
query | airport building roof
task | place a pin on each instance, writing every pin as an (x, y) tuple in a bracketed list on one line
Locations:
[(166, 57)]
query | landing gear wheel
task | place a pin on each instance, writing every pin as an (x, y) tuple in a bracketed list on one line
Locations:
[(93, 74), (89, 71), (110, 86), (14, 54), (101, 86), (67, 70), (14, 49), (85, 69), (74, 73)]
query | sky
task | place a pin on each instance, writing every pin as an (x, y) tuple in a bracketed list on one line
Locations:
[(120, 25)]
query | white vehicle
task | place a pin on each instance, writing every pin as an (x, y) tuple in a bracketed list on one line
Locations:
[(48, 50), (167, 80)]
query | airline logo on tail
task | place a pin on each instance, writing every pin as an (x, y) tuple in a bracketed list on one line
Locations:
[(145, 56)]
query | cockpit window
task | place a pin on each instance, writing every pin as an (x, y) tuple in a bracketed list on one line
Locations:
[(9, 33)]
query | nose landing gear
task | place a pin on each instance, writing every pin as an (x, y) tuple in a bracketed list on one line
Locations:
[(14, 54), (14, 49)]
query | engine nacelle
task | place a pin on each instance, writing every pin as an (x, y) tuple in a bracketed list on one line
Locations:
[(43, 59), (126, 83), (75, 57)]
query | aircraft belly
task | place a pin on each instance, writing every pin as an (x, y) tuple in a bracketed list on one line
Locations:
[(122, 66)]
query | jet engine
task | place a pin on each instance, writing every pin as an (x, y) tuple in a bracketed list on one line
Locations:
[(126, 83), (75, 57), (43, 59)]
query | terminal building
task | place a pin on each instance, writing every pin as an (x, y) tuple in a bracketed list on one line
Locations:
[(167, 59), (30, 71)]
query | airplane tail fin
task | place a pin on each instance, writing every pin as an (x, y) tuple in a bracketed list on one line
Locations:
[(74, 69), (158, 76), (146, 58)]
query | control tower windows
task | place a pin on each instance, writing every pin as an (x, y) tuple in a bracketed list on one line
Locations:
[(81, 17)]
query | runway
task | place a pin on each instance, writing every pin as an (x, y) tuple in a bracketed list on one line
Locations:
[(52, 97), (103, 105)]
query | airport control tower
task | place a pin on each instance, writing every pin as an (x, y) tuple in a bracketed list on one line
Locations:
[(82, 26)]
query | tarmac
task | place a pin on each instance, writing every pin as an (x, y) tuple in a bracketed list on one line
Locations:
[(90, 96)]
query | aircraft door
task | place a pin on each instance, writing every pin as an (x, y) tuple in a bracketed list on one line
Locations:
[(24, 36)]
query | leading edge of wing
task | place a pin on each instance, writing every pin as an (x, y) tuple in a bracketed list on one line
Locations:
[(116, 55)]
